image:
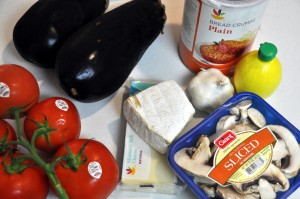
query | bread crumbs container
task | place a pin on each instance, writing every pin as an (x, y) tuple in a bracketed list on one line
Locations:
[(216, 33), (244, 162)]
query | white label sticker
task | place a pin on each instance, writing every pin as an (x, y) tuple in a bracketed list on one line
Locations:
[(95, 169), (62, 105), (4, 90), (137, 163)]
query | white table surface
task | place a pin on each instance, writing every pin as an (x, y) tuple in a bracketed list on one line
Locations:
[(103, 120)]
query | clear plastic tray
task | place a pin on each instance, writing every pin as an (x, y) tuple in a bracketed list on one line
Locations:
[(207, 126)]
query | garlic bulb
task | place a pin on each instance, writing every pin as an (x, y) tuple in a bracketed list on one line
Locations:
[(209, 89)]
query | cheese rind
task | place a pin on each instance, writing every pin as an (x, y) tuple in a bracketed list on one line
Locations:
[(159, 113)]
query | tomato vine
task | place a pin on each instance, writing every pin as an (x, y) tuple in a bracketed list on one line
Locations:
[(16, 165)]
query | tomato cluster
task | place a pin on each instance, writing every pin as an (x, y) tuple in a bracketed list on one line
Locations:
[(81, 168)]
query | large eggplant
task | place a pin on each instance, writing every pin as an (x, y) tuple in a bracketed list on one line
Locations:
[(97, 59), (41, 31)]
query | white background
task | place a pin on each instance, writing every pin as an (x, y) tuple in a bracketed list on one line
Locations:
[(104, 121)]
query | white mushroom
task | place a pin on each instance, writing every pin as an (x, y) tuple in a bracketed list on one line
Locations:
[(274, 176), (194, 160), (248, 114), (246, 188), (244, 127), (226, 122), (256, 117), (293, 148), (209, 89), (265, 189), (278, 180), (244, 105), (229, 193), (279, 152), (234, 111), (244, 119), (210, 191)]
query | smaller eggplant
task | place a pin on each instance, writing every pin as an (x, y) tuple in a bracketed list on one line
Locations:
[(45, 26)]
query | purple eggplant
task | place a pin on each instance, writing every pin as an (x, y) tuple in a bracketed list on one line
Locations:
[(96, 60), (45, 26)]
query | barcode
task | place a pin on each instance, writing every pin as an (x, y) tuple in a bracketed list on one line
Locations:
[(255, 165)]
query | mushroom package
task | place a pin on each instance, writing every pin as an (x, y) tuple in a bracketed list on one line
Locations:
[(256, 176)]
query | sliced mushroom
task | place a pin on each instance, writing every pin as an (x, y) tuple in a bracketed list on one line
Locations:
[(229, 193), (242, 110), (256, 117), (234, 111), (244, 127), (244, 119), (195, 161), (210, 191), (279, 152), (248, 115), (246, 188), (244, 105), (293, 148), (265, 189), (272, 174), (226, 122), (278, 180)]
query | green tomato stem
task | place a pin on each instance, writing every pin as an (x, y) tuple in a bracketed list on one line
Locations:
[(60, 191), (47, 167), (19, 128)]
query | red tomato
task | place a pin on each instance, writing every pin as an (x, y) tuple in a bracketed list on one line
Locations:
[(18, 89), (31, 183), (96, 178), (62, 117), (7, 134)]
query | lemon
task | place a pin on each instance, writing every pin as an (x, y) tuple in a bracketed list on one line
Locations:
[(259, 71)]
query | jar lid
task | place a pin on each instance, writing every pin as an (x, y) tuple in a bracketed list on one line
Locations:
[(267, 51)]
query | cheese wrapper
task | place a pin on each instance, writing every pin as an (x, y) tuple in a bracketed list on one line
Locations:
[(146, 170)]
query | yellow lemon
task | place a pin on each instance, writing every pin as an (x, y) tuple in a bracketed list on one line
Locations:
[(259, 71)]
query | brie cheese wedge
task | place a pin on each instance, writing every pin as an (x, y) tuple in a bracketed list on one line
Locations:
[(159, 113)]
